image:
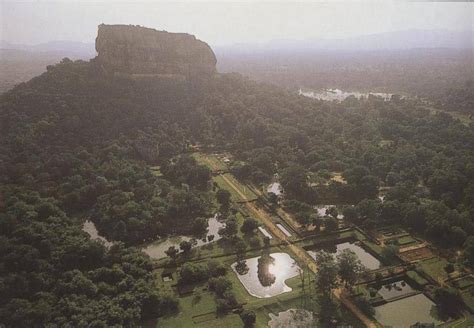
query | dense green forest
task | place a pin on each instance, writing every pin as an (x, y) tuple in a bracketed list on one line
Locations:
[(77, 144)]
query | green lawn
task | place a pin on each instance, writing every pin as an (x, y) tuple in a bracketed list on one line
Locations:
[(465, 322), (468, 298), (434, 267), (221, 183), (465, 282), (199, 303), (210, 160), (417, 278), (228, 321), (406, 240), (198, 309), (373, 247), (325, 238)]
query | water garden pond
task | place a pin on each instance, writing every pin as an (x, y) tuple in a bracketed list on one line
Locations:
[(340, 95), (266, 276), (292, 318), (157, 249), (395, 289), (323, 210), (275, 188), (407, 311), (369, 261)]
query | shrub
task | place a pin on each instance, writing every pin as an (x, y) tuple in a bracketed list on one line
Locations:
[(248, 317)]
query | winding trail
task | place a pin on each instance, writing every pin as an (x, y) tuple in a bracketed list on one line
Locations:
[(266, 219)]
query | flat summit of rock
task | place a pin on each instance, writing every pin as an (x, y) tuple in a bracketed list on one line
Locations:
[(140, 51)]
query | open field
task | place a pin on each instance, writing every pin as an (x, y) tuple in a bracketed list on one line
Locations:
[(406, 240), (211, 161), (224, 181), (434, 267)]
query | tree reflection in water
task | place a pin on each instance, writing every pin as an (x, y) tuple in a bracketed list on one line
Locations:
[(264, 272)]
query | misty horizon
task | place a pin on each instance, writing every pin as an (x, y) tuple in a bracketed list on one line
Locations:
[(228, 24), (389, 41), (469, 43)]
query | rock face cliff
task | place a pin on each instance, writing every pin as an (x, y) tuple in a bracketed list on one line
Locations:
[(140, 51)]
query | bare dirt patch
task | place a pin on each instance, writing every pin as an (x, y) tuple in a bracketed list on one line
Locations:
[(418, 254)]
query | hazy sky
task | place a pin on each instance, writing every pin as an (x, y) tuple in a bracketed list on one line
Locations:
[(228, 22)]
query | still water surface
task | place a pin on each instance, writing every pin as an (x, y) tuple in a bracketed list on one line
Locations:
[(340, 95), (292, 318), (157, 249), (283, 268), (275, 188), (395, 289), (407, 311), (367, 259)]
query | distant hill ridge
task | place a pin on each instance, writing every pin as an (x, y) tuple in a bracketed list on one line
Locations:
[(398, 40), (81, 49)]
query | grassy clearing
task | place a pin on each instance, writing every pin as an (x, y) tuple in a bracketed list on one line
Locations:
[(235, 196), (215, 164), (465, 282), (198, 309), (413, 275), (373, 247), (466, 288), (434, 267), (468, 298), (155, 170), (195, 310), (334, 237), (336, 176), (228, 321), (467, 321), (406, 240), (322, 238), (199, 303), (211, 161)]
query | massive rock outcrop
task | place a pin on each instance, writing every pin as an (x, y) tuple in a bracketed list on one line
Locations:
[(140, 51)]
